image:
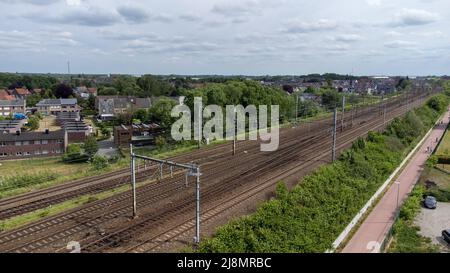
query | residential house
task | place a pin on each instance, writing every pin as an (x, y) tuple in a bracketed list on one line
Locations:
[(139, 135), (110, 106), (5, 95), (76, 131), (11, 107), (55, 106), (32, 144), (20, 93)]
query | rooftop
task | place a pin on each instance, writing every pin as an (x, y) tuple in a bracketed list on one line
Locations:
[(12, 102), (30, 136), (45, 102)]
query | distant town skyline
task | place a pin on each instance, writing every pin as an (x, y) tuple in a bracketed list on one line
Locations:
[(226, 37)]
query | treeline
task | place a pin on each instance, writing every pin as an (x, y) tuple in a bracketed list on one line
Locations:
[(11, 81), (311, 216)]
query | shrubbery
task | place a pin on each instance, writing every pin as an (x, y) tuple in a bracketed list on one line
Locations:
[(313, 214), (20, 181)]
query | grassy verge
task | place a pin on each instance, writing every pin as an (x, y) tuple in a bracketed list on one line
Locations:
[(33, 216)]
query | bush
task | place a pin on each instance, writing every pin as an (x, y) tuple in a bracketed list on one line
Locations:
[(99, 162), (20, 181), (160, 141), (74, 154)]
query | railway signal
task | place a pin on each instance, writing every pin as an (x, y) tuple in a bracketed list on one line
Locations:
[(192, 170)]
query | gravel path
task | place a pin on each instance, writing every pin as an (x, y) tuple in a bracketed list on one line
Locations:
[(432, 222)]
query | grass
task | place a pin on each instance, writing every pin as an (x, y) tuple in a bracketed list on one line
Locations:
[(437, 183), (408, 240), (444, 147)]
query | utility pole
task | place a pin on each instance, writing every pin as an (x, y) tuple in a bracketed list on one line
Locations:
[(197, 210), (133, 180), (333, 152), (343, 113), (192, 170)]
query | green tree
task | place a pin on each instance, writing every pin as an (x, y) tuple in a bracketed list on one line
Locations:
[(90, 146), (33, 123), (160, 112)]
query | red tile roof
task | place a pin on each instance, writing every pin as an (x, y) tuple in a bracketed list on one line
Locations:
[(22, 91), (5, 96)]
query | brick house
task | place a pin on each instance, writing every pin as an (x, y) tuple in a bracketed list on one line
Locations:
[(32, 144), (142, 134)]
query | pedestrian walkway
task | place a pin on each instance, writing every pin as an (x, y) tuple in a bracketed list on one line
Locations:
[(373, 231)]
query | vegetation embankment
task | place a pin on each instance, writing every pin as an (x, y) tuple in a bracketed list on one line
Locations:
[(310, 217)]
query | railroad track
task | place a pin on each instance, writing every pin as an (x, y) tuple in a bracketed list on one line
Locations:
[(35, 200), (41, 241), (209, 197)]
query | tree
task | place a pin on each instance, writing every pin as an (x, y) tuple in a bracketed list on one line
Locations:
[(90, 146), (160, 112), (74, 155), (32, 100), (33, 123), (63, 91)]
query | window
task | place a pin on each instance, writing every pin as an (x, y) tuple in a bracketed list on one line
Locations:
[(3, 154), (59, 141), (44, 141), (37, 152), (18, 143), (37, 142), (27, 153), (44, 152), (19, 154), (2, 144), (26, 143)]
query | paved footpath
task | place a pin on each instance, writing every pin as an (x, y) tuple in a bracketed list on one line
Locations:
[(376, 226)]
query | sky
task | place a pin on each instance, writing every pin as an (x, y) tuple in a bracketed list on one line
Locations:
[(229, 37)]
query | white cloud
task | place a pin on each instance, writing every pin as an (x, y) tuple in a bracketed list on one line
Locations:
[(302, 26), (413, 17)]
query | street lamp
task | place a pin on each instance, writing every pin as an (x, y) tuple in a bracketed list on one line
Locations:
[(398, 195)]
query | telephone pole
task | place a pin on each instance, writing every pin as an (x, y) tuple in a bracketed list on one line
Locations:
[(333, 152)]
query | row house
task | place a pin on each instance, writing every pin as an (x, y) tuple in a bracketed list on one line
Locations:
[(11, 107), (55, 106), (32, 144)]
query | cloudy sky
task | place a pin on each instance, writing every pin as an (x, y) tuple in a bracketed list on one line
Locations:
[(252, 37)]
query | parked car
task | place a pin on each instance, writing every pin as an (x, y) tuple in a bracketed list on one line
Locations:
[(446, 235), (430, 202)]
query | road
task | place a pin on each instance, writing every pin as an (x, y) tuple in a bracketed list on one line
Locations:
[(373, 231)]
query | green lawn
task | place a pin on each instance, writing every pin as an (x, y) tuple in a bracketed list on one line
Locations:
[(444, 147)]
